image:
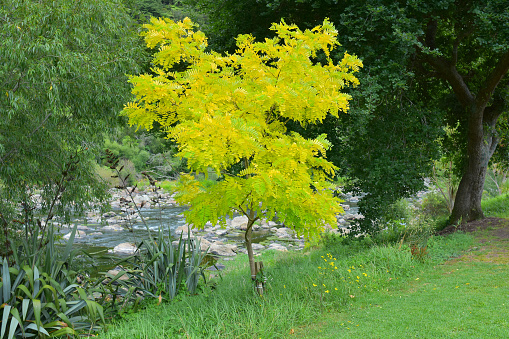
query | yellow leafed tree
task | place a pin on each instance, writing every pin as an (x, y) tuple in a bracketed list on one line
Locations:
[(227, 113)]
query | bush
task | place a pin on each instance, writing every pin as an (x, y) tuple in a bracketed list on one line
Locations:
[(400, 210), (39, 295), (433, 205)]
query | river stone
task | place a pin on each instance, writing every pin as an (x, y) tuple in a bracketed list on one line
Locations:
[(257, 247), (221, 232), (96, 233), (108, 215), (239, 222), (204, 243), (114, 227), (79, 234), (183, 229), (114, 273), (277, 247), (125, 248), (284, 232), (83, 227), (228, 250)]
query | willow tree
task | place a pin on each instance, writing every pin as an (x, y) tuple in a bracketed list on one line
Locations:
[(227, 115)]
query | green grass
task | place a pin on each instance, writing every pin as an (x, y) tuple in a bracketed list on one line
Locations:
[(304, 288), (497, 207), (463, 300)]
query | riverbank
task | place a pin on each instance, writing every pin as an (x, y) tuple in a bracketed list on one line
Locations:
[(310, 298)]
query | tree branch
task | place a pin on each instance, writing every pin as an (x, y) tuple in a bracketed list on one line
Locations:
[(449, 72), (486, 91)]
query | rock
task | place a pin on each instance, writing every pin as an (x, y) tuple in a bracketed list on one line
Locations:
[(277, 247), (284, 232), (204, 244), (216, 267), (117, 271), (257, 247), (184, 229), (108, 215), (78, 235), (227, 250), (239, 223), (96, 233), (125, 248), (221, 232), (114, 227), (83, 228)]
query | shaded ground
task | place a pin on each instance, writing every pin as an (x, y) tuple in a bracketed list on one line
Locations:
[(493, 237), (497, 227)]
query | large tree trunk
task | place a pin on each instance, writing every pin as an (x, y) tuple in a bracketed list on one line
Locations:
[(482, 142)]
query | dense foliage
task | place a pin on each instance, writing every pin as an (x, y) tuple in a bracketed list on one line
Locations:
[(226, 113), (62, 83), (421, 61)]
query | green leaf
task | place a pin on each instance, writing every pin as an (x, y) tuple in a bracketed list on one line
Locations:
[(6, 280), (37, 312), (5, 317)]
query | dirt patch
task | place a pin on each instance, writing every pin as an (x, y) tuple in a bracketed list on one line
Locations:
[(497, 227)]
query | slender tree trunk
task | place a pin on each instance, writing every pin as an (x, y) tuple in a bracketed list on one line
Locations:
[(249, 243), (249, 247)]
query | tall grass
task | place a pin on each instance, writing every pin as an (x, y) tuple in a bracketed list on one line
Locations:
[(301, 287), (496, 207)]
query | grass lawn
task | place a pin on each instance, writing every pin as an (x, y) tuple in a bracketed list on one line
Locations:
[(467, 297), (350, 289)]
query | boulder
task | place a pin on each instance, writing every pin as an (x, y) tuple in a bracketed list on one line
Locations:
[(116, 271), (184, 229), (239, 222), (257, 247), (108, 215), (78, 235), (125, 248), (221, 232), (284, 232), (114, 228), (277, 247), (227, 250)]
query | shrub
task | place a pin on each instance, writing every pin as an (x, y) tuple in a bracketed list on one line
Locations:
[(39, 295), (434, 205)]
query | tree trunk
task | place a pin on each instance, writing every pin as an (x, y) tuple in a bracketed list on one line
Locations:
[(249, 248), (482, 142)]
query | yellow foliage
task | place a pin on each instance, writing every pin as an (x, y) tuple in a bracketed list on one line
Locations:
[(228, 111)]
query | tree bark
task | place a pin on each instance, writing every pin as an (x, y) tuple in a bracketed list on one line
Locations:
[(482, 138), (481, 144), (249, 244), (249, 247)]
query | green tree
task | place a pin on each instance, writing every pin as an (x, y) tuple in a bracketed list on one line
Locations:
[(429, 63), (226, 113), (62, 84)]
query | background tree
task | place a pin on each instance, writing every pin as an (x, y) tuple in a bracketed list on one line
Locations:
[(427, 65), (62, 82), (227, 114)]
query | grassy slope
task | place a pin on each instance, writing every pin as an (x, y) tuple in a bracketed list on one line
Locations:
[(375, 292), (297, 294)]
